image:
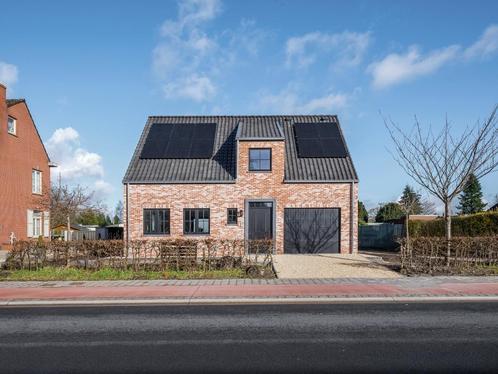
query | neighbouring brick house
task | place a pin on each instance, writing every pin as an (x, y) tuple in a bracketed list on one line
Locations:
[(24, 174), (286, 178)]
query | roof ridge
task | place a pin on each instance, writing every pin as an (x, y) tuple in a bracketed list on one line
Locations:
[(242, 115)]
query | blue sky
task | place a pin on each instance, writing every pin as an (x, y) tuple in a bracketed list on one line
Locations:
[(93, 71)]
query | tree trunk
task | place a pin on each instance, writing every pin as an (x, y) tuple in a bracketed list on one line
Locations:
[(407, 233), (447, 220)]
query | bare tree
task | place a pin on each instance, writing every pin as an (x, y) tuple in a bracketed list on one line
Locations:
[(428, 206), (68, 202), (442, 163), (409, 203)]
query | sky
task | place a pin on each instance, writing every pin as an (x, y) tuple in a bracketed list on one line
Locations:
[(92, 71)]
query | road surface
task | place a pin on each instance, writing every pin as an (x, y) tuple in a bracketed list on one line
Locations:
[(263, 338)]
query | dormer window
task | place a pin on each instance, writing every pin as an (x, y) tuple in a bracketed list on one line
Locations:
[(260, 159), (12, 126)]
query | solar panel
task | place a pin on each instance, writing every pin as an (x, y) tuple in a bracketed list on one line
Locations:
[(319, 140), (191, 140)]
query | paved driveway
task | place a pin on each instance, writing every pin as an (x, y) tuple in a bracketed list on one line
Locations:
[(331, 266)]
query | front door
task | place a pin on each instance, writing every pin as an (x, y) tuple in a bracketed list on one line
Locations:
[(260, 224)]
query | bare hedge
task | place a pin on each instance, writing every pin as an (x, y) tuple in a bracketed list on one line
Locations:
[(468, 255), (177, 254), (475, 225)]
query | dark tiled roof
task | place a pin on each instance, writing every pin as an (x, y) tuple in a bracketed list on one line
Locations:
[(222, 166), (259, 127), (11, 102)]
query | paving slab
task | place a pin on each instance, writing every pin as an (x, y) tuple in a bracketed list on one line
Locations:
[(303, 266), (17, 293)]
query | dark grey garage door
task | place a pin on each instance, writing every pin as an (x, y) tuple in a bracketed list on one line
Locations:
[(312, 230)]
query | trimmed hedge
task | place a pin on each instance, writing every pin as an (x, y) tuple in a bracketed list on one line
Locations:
[(468, 256), (480, 224)]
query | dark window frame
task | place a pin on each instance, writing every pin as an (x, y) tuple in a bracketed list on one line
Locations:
[(194, 220), (231, 215), (260, 149), (155, 212)]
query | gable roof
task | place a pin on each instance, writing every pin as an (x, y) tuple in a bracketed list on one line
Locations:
[(12, 102), (221, 167)]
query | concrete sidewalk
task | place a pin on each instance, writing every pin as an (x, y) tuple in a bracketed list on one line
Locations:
[(247, 290)]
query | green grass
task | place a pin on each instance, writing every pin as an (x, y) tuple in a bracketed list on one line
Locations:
[(58, 273)]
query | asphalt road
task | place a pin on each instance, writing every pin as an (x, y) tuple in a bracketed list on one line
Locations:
[(262, 338)]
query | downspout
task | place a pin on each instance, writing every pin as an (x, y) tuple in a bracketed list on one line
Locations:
[(351, 218), (127, 219)]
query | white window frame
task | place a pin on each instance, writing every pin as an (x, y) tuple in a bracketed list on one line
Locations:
[(36, 181), (37, 224), (14, 122)]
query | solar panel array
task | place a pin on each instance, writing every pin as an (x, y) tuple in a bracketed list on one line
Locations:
[(319, 140), (178, 140)]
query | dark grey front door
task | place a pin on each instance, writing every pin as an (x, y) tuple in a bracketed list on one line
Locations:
[(260, 222)]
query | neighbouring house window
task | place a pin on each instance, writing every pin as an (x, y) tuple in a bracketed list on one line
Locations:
[(260, 159), (232, 216), (196, 221), (156, 221), (36, 181), (12, 126), (37, 224)]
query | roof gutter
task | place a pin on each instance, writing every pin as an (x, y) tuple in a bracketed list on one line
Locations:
[(321, 181), (351, 218), (125, 181), (127, 185)]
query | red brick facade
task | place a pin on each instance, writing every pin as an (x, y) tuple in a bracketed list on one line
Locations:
[(248, 185), (20, 154)]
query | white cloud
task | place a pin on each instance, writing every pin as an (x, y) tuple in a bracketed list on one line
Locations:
[(342, 49), (485, 45), (8, 74), (287, 101), (188, 61), (190, 14), (396, 68), (73, 161), (197, 88), (102, 188), (184, 48)]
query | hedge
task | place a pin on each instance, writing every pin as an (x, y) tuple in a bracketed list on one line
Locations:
[(468, 256), (176, 254), (480, 224)]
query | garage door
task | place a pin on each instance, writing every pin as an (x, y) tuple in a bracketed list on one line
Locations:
[(312, 230)]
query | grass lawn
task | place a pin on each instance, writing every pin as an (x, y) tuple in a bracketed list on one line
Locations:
[(71, 274)]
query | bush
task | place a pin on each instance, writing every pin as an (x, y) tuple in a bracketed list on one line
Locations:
[(142, 255), (429, 255), (480, 224)]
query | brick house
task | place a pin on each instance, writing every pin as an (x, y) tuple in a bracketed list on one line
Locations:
[(24, 174), (286, 178)]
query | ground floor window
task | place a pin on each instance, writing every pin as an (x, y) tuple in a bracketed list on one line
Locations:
[(37, 224), (196, 221), (231, 216), (156, 222)]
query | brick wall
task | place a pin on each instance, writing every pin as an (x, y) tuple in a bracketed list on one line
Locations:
[(19, 155), (249, 185)]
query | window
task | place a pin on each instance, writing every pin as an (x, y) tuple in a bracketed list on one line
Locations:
[(260, 159), (196, 221), (36, 181), (37, 224), (12, 126), (231, 216), (156, 221)]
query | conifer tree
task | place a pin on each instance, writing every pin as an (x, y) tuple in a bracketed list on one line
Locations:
[(471, 197)]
